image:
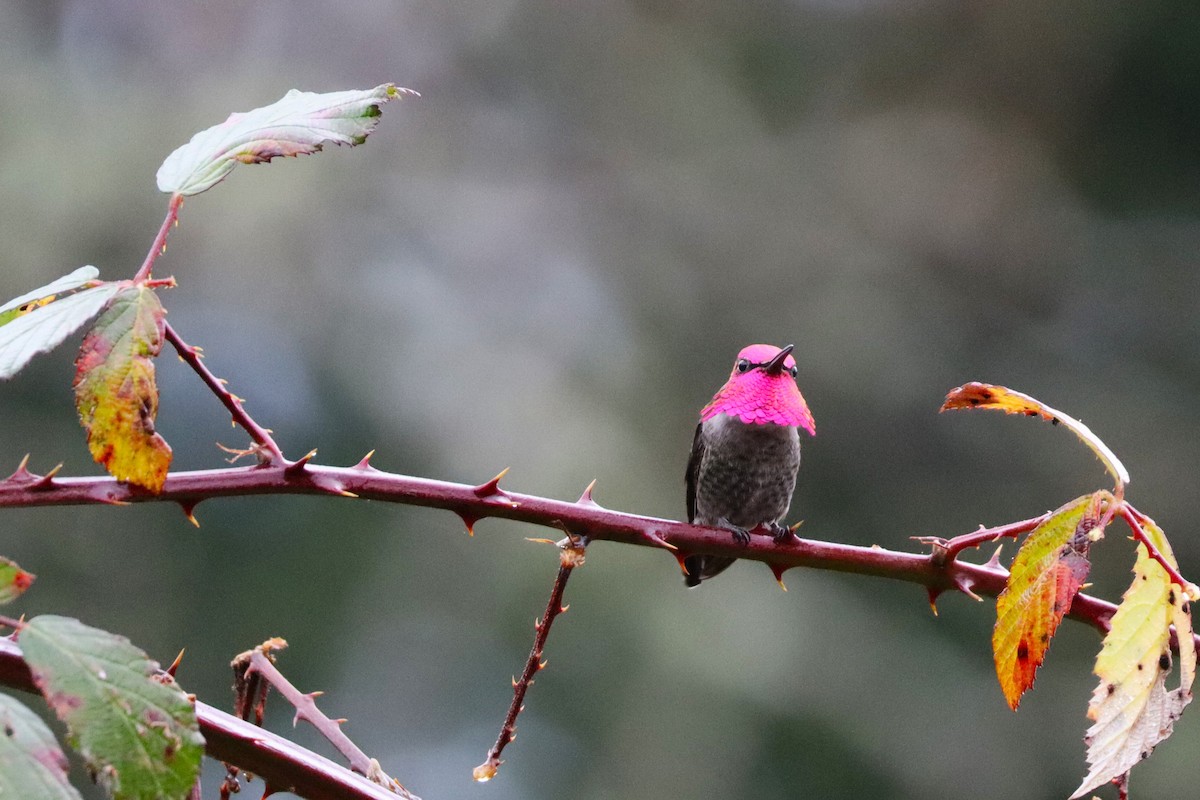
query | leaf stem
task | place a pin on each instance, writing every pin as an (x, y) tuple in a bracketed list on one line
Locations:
[(1134, 519), (159, 246)]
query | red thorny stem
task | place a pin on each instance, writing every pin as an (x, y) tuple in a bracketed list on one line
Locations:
[(570, 557), (159, 246)]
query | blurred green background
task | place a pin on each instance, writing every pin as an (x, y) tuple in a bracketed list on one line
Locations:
[(549, 262)]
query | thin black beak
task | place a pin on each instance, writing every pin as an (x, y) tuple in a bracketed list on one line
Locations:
[(775, 365)]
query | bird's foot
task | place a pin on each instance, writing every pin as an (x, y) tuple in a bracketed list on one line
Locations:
[(740, 535), (781, 533)]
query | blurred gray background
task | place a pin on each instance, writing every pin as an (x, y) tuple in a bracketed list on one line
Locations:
[(549, 262)]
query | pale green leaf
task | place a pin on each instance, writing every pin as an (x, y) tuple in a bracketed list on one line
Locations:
[(32, 765), (136, 730), (298, 124), (64, 284), (44, 328)]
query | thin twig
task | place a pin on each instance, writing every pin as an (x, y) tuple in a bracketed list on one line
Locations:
[(159, 246), (570, 557), (265, 446), (950, 548), (259, 662)]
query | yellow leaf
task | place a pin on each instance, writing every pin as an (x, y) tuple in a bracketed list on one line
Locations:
[(1132, 709), (115, 391)]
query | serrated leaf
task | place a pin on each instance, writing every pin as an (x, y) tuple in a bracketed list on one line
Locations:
[(38, 321), (1132, 709), (1046, 575), (1001, 398), (13, 581), (298, 124), (136, 731), (32, 765), (115, 391)]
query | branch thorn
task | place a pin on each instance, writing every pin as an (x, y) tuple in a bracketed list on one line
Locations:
[(777, 570), (175, 664), (469, 520), (297, 467), (964, 585), (994, 561), (189, 510), (682, 558), (656, 540), (365, 463), (585, 499), (934, 593), (490, 490)]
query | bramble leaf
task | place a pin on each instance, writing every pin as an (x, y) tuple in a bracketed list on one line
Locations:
[(115, 391), (32, 765), (1001, 398), (1132, 710), (13, 581), (135, 728), (298, 124), (1046, 575), (38, 321)]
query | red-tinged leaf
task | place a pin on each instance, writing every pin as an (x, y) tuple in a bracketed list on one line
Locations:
[(1132, 709), (1001, 398), (13, 580), (1046, 575), (38, 321), (32, 765), (298, 124), (115, 391)]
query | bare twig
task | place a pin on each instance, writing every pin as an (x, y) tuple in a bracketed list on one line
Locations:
[(266, 448), (570, 557), (258, 663)]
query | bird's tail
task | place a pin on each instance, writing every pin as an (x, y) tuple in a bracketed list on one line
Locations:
[(701, 568)]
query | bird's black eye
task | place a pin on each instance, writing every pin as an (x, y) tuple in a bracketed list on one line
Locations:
[(794, 371), (743, 365)]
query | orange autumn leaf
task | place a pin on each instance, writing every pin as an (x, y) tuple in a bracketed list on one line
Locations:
[(1046, 575), (115, 391), (1001, 398)]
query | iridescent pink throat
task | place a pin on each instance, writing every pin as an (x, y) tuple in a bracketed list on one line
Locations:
[(757, 398)]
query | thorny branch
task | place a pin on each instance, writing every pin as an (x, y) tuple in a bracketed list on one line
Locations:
[(584, 518), (570, 557)]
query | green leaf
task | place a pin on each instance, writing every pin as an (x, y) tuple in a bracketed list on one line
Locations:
[(13, 582), (38, 321), (1046, 575), (299, 124), (135, 728), (32, 765), (1132, 709), (115, 391)]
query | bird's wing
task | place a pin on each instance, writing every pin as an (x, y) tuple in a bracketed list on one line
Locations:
[(693, 472)]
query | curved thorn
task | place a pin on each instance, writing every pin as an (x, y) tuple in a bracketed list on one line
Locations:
[(46, 480), (933, 593), (365, 462), (777, 570), (469, 520), (964, 585), (297, 466), (681, 557), (994, 561), (658, 541), (189, 510), (175, 664), (585, 499), (491, 488)]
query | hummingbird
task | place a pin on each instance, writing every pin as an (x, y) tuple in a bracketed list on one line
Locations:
[(746, 453)]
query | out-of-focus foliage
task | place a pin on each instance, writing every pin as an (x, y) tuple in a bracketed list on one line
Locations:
[(547, 263)]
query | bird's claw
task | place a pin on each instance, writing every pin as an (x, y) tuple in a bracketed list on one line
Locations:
[(740, 535), (781, 533)]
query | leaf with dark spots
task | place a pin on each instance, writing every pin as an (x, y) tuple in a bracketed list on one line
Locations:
[(1046, 575)]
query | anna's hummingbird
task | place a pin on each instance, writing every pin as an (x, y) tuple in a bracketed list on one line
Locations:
[(742, 470)]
